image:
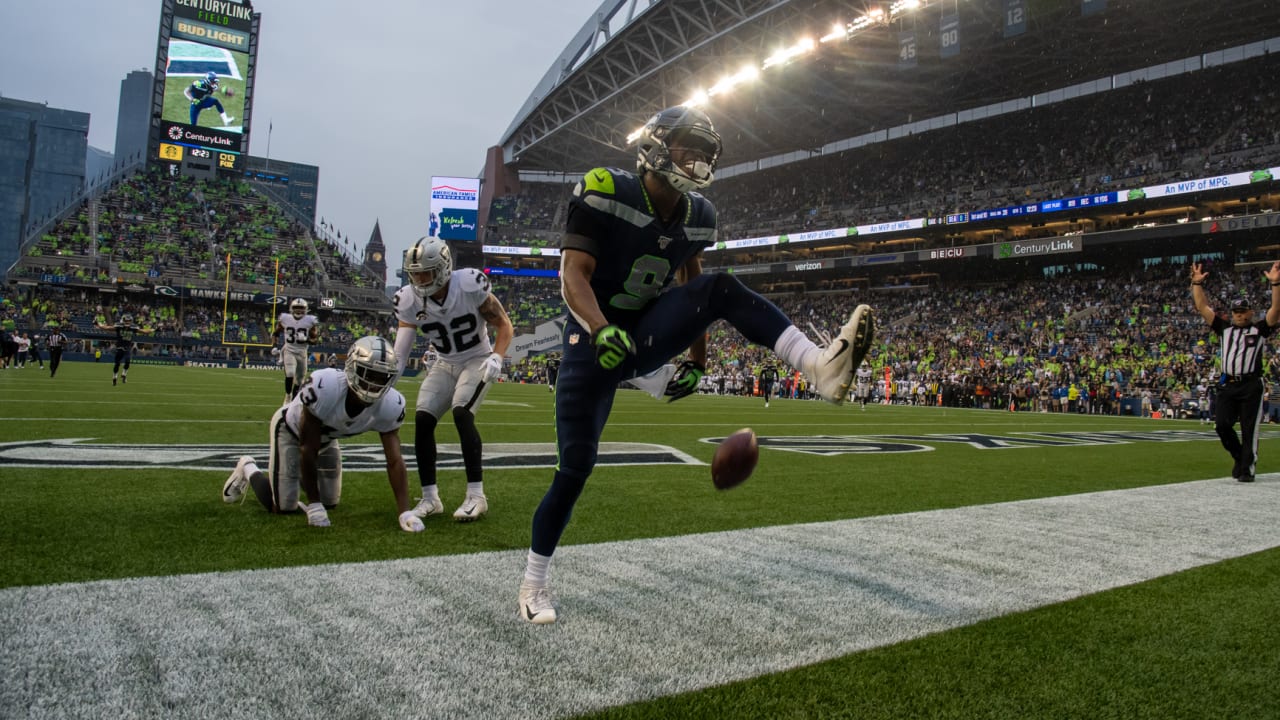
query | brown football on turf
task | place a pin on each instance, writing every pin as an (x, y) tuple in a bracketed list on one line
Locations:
[(735, 459)]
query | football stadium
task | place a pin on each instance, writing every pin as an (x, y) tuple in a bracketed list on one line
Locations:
[(1017, 500)]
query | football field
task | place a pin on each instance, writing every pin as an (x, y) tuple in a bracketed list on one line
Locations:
[(893, 562)]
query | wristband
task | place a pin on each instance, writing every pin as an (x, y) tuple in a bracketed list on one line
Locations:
[(1197, 283), (1275, 284)]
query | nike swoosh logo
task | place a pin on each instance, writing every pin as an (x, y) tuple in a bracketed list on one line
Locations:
[(844, 345), (599, 177), (528, 613)]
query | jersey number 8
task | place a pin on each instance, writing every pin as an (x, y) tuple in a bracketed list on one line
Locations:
[(648, 275)]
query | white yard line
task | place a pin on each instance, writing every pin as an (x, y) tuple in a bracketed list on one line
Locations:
[(438, 637)]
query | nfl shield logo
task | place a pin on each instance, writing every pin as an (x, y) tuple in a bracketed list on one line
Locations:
[(573, 338)]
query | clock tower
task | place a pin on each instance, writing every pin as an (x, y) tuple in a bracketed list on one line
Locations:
[(375, 254)]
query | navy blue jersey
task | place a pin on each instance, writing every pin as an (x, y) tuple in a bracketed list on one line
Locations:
[(124, 336), (636, 254), (202, 88)]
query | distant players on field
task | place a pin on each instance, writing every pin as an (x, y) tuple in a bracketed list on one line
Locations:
[(553, 370), (298, 329), (126, 334), (454, 309), (768, 378), (305, 456), (863, 387), (202, 94)]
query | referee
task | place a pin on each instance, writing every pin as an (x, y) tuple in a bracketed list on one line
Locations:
[(56, 341), (1241, 388)]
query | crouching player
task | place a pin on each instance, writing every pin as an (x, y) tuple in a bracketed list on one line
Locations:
[(305, 455)]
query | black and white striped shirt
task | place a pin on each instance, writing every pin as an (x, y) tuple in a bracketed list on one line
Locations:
[(1242, 347), (55, 340)]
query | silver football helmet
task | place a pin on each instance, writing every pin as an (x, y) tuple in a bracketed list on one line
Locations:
[(428, 263), (126, 320), (683, 127), (371, 368), (298, 308)]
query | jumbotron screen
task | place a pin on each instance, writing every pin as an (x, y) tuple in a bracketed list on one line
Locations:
[(455, 203), (207, 82)]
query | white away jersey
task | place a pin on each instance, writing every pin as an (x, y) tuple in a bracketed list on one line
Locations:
[(454, 327), (325, 395), (864, 376), (296, 331)]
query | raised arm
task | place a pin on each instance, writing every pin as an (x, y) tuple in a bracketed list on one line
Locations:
[(1199, 298), (1273, 276)]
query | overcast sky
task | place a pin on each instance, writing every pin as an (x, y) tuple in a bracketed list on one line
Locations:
[(380, 94)]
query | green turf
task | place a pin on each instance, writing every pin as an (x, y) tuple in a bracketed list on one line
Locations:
[(1196, 645)]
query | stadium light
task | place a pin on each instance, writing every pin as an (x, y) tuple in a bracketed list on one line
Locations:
[(902, 6), (880, 14), (782, 56), (729, 82), (839, 32), (699, 97)]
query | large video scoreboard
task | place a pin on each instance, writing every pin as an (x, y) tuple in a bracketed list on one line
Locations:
[(204, 82)]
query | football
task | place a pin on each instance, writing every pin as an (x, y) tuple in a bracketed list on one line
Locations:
[(735, 459), (228, 91)]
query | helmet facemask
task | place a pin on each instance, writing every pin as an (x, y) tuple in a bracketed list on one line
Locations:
[(371, 368), (298, 308), (687, 130), (428, 265)]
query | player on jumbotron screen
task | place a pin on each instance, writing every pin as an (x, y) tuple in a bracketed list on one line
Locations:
[(201, 94)]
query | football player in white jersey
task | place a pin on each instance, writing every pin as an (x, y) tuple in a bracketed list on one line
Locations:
[(305, 455), (299, 330), (452, 308), (863, 388)]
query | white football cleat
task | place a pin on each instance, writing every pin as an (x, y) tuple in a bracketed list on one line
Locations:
[(317, 516), (427, 507), (833, 370), (233, 488), (535, 605), (473, 508)]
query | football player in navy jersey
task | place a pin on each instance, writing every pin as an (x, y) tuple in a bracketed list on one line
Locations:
[(305, 457), (126, 334), (201, 93), (627, 238)]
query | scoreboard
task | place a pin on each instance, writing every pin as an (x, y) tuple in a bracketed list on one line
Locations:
[(204, 82)]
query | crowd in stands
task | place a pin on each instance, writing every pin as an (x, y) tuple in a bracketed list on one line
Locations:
[(1146, 133), (1070, 343), (1224, 119), (529, 302), (199, 329), (169, 229), (1089, 339)]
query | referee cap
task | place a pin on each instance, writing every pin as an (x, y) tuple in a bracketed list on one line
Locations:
[(1240, 304)]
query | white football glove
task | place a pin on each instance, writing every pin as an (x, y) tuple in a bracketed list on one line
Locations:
[(275, 351), (492, 368), (410, 522)]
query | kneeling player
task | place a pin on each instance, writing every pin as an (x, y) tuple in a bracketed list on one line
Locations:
[(305, 455)]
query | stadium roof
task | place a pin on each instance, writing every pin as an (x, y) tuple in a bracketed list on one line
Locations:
[(633, 58)]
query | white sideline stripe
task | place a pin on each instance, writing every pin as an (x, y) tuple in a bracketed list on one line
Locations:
[(639, 619)]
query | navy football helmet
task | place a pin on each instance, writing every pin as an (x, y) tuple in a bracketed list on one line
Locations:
[(684, 127)]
